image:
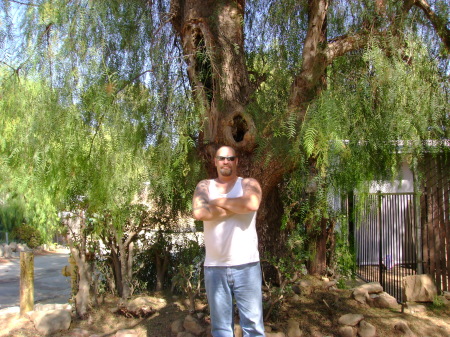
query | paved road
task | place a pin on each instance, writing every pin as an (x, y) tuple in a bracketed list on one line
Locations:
[(50, 286)]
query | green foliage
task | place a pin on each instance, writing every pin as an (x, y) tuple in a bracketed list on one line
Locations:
[(27, 234), (439, 304), (341, 284), (279, 274), (12, 212), (188, 278), (94, 104), (378, 111), (344, 261)]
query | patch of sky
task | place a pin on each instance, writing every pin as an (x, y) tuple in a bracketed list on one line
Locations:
[(11, 39)]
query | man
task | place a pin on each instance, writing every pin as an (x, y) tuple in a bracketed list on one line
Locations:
[(227, 206)]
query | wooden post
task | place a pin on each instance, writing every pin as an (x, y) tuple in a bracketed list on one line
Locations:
[(26, 282)]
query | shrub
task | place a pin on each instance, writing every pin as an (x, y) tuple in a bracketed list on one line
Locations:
[(27, 234)]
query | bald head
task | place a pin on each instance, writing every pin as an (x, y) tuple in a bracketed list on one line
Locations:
[(226, 162), (228, 148)]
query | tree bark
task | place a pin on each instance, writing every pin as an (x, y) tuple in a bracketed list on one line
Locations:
[(125, 245), (212, 36), (82, 298), (211, 33), (77, 243), (162, 265), (116, 269), (440, 24)]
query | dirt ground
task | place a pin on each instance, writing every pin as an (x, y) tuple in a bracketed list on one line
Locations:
[(317, 314)]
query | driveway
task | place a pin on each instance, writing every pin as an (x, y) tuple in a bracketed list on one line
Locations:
[(50, 286)]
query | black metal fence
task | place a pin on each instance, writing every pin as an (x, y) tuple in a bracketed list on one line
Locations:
[(387, 239)]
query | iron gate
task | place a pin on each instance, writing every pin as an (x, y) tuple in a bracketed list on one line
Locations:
[(387, 239)]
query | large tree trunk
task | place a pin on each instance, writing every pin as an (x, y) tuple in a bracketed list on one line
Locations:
[(82, 298), (162, 265), (77, 241), (125, 254), (212, 38), (117, 273), (121, 260), (317, 242), (213, 42)]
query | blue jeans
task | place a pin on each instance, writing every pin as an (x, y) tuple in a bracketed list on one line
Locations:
[(244, 283)]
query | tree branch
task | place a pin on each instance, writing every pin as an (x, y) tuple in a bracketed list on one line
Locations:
[(438, 23), (23, 3), (344, 44), (306, 84)]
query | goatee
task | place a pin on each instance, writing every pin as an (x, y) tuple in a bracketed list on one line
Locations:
[(226, 171)]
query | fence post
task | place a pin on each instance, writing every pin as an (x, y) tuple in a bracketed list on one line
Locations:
[(26, 282), (380, 243), (351, 222), (417, 220)]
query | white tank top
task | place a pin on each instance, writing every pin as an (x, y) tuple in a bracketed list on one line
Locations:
[(230, 241)]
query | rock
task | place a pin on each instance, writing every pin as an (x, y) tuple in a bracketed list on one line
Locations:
[(371, 287), (2, 250), (296, 289), (146, 301), (447, 295), (192, 325), (238, 330), (329, 284), (347, 331), (304, 287), (7, 253), (419, 288), (177, 326), (360, 295), (51, 321), (275, 334), (13, 246), (77, 332), (350, 319), (126, 333), (366, 329), (294, 298), (185, 334), (52, 306), (21, 247), (293, 329), (403, 328), (385, 301), (143, 306), (413, 308)]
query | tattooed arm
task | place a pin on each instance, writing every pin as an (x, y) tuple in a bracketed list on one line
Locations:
[(202, 209), (249, 202)]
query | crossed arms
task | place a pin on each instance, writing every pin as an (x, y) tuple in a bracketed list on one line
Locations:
[(205, 209)]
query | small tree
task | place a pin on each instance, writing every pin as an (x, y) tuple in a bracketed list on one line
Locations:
[(27, 234)]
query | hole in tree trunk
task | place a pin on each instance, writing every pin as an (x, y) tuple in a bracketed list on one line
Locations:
[(239, 128)]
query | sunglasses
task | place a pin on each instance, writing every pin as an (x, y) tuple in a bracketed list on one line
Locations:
[(221, 158)]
